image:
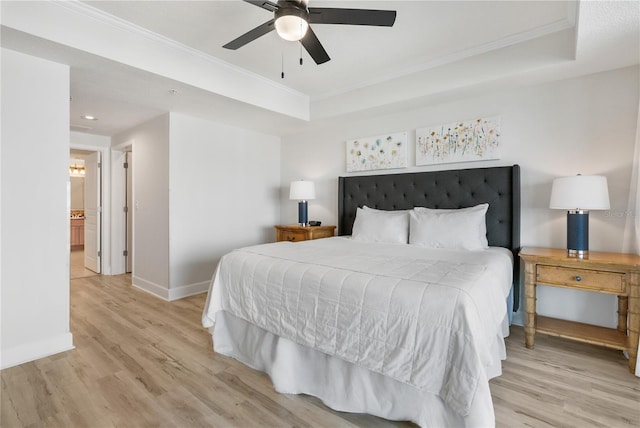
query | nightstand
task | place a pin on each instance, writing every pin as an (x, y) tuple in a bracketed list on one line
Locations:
[(295, 232), (610, 273)]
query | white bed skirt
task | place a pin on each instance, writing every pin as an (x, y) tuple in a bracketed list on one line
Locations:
[(343, 386)]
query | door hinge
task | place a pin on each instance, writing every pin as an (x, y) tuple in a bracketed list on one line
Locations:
[(125, 209), (125, 165), (125, 253), (99, 164), (99, 253)]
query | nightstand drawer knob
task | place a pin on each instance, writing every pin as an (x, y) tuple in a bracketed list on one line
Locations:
[(578, 278)]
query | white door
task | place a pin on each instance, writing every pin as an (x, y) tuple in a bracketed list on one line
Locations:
[(92, 212)]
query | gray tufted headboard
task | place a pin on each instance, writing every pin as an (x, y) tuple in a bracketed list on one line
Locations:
[(460, 188)]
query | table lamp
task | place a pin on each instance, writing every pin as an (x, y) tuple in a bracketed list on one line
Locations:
[(302, 191), (578, 195)]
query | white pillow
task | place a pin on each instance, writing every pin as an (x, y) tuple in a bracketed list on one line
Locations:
[(373, 225), (476, 208), (465, 228)]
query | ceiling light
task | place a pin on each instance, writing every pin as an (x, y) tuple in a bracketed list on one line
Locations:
[(291, 23), (88, 117)]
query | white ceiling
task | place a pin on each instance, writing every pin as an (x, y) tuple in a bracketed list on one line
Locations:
[(359, 53), (434, 48)]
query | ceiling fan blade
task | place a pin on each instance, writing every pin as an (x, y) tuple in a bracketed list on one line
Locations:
[(264, 4), (250, 36), (314, 47), (329, 15)]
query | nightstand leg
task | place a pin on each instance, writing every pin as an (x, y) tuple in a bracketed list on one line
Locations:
[(623, 304), (634, 320), (530, 304)]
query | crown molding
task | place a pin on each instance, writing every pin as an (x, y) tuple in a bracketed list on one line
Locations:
[(504, 42), (91, 12)]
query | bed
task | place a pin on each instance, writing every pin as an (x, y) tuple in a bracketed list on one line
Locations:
[(404, 332)]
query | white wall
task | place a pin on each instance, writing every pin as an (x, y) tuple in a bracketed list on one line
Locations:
[(83, 140), (584, 125), (151, 203), (35, 229), (200, 190), (225, 187)]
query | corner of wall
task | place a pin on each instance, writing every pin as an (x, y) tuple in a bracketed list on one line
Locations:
[(35, 350)]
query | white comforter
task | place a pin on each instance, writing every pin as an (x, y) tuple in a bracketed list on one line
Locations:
[(424, 317)]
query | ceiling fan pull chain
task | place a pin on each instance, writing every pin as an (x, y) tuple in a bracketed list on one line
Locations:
[(300, 54), (282, 65)]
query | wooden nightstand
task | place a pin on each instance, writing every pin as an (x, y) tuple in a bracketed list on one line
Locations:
[(610, 273), (295, 232)]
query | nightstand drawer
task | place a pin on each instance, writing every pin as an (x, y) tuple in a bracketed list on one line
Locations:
[(292, 235), (297, 233), (611, 282)]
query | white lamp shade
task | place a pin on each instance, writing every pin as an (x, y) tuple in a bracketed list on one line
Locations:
[(291, 27), (580, 192), (302, 190)]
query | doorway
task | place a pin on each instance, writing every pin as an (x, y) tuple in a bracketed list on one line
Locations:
[(85, 197), (128, 220), (122, 215)]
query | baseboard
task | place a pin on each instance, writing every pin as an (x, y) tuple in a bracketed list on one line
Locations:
[(150, 287), (172, 293), (189, 290), (35, 350), (518, 318)]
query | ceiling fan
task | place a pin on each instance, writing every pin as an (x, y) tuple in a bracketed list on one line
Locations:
[(292, 18)]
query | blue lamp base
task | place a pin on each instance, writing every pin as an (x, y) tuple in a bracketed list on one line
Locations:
[(578, 234), (302, 213)]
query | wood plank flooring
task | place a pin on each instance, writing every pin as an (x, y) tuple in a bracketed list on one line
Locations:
[(140, 361), (76, 265)]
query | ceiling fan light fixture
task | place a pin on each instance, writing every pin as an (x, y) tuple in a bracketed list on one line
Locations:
[(291, 24), (291, 19)]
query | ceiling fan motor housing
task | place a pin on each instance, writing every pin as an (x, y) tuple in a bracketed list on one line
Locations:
[(291, 8)]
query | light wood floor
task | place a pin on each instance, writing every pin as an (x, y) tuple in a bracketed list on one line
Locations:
[(76, 265), (141, 361)]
